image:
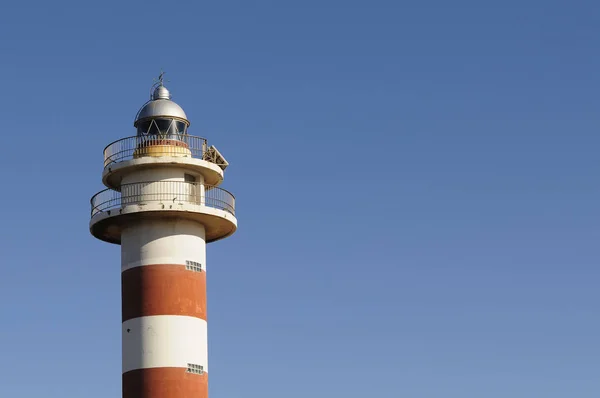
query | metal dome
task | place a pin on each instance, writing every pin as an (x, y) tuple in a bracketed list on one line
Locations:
[(160, 106)]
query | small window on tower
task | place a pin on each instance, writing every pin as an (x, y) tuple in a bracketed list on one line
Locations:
[(197, 369), (193, 266), (189, 178)]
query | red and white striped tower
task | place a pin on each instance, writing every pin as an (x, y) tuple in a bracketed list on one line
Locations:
[(162, 206)]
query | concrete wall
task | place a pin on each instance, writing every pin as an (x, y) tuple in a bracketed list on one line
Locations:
[(159, 174)]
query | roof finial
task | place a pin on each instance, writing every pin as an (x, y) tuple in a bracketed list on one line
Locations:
[(159, 91), (160, 80)]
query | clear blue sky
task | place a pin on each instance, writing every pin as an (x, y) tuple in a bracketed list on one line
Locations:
[(417, 192)]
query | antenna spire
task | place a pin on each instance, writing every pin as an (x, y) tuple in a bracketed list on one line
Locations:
[(158, 90), (160, 80)]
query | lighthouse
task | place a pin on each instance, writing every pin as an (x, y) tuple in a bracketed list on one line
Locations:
[(163, 204)]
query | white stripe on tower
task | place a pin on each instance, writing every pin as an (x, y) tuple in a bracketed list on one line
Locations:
[(172, 241), (164, 341)]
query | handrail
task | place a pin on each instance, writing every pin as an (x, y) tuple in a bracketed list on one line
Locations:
[(178, 192), (139, 146)]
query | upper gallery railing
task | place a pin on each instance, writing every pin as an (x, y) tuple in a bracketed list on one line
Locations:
[(155, 145)]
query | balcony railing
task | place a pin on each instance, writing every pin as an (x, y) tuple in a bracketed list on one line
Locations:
[(152, 145), (168, 192)]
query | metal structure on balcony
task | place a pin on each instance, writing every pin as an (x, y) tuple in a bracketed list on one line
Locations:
[(163, 204)]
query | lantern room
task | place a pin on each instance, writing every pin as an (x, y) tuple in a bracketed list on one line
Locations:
[(161, 126)]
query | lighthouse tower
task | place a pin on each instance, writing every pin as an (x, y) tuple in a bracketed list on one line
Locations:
[(163, 205)]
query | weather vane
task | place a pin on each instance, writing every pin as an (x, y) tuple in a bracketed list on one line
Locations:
[(161, 78)]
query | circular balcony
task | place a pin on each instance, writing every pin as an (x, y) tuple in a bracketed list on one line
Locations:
[(211, 206), (169, 150)]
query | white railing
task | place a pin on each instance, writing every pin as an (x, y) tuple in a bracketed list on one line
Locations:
[(168, 192), (155, 145)]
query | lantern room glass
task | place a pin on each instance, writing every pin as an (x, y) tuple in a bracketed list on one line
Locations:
[(167, 128)]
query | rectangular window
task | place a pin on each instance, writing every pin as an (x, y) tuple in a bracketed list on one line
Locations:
[(197, 369), (193, 266)]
